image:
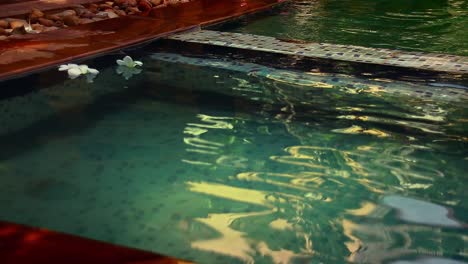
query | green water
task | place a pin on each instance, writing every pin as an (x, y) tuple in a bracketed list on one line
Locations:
[(417, 25), (197, 161)]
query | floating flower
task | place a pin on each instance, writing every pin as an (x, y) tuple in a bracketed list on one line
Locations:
[(127, 67), (75, 70), (129, 62), (127, 72)]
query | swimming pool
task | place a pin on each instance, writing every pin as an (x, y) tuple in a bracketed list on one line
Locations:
[(223, 155), (431, 26), (222, 160)]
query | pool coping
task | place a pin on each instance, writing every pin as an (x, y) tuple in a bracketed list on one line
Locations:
[(20, 244)]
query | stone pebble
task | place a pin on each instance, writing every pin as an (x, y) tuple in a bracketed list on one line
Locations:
[(46, 22), (17, 23), (35, 15), (4, 24), (38, 21), (71, 20)]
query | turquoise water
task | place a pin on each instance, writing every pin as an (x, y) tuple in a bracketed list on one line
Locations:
[(417, 25), (222, 161)]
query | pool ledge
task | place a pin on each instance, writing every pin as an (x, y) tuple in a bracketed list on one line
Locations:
[(444, 63), (32, 52)]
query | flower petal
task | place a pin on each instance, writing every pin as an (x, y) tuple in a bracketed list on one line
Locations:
[(74, 72), (138, 63), (120, 62), (63, 68), (128, 61), (93, 71), (84, 68)]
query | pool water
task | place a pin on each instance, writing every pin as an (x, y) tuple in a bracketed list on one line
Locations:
[(416, 25), (220, 161)]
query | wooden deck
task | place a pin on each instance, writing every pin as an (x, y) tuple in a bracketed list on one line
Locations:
[(27, 53), (28, 245)]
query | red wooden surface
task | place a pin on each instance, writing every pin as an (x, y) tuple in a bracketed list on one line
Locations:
[(26, 245), (20, 55)]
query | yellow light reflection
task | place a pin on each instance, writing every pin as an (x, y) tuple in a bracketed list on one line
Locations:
[(193, 162), (359, 130), (288, 78), (230, 242), (355, 166), (383, 246), (281, 224), (366, 209), (281, 256), (231, 193), (202, 143), (296, 183), (215, 122)]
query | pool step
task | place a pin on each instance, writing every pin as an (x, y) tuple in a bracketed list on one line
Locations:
[(417, 60)]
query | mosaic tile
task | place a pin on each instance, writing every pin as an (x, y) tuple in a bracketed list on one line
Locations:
[(418, 60)]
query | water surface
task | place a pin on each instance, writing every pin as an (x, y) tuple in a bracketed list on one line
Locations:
[(222, 161), (417, 25)]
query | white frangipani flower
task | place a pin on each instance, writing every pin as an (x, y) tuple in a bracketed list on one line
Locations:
[(86, 70), (72, 69), (75, 70), (65, 67), (129, 62)]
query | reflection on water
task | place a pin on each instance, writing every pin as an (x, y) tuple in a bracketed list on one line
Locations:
[(434, 26), (348, 191), (243, 164)]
